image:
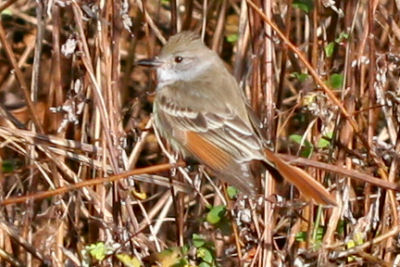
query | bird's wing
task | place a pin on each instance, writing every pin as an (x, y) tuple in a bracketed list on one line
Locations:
[(225, 129), (221, 140)]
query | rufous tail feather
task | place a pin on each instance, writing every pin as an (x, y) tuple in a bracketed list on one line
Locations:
[(309, 187)]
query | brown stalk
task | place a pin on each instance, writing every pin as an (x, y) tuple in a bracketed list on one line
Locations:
[(219, 29), (91, 182), (243, 41), (348, 252), (284, 58), (98, 97), (20, 78), (343, 171), (56, 96), (174, 17), (6, 4), (269, 91), (188, 15), (10, 231)]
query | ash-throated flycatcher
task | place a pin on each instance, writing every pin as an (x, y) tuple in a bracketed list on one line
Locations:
[(201, 111)]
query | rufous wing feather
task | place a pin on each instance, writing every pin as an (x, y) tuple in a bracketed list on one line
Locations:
[(206, 152), (309, 187), (221, 162)]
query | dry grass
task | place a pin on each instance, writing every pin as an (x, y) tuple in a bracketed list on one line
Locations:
[(82, 171)]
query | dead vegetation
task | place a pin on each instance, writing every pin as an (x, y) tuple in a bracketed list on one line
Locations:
[(84, 180)]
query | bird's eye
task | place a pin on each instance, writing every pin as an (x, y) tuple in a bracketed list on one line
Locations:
[(178, 59)]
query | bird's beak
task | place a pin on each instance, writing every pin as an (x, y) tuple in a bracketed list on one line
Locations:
[(150, 62)]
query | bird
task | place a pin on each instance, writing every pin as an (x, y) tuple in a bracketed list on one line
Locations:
[(201, 111)]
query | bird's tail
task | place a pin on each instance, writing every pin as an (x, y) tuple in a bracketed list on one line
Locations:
[(308, 186)]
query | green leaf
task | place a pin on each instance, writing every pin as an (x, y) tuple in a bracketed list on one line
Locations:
[(185, 249), (309, 99), (98, 250), (170, 257), (128, 260), (232, 192), (216, 213), (341, 227), (232, 38), (204, 264), (205, 254), (323, 143), (304, 5), (181, 263), (307, 151), (198, 240), (336, 80), (350, 244), (8, 166), (301, 236), (342, 36), (358, 238), (296, 138), (7, 12), (307, 147), (320, 233), (329, 49), (299, 76)]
